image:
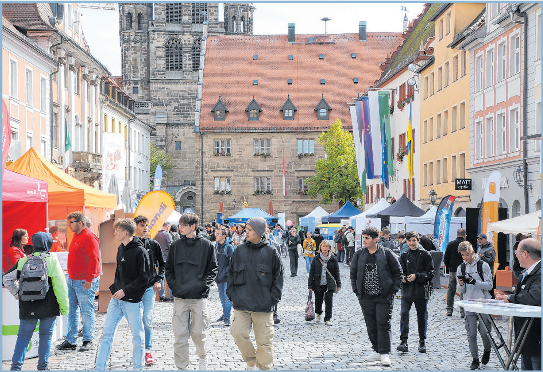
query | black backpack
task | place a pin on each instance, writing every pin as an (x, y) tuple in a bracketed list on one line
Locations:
[(34, 279)]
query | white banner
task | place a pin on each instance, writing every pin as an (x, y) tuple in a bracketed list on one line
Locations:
[(113, 159)]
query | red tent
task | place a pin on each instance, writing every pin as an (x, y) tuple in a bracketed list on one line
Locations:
[(24, 205)]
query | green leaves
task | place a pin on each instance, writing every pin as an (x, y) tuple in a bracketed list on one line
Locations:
[(158, 156)]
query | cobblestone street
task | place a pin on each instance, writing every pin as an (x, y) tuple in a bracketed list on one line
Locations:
[(297, 344)]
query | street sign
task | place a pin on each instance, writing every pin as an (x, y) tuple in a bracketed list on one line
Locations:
[(462, 184)]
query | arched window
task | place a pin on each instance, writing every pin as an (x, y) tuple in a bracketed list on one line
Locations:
[(196, 48), (140, 21), (174, 55), (129, 21), (234, 24), (242, 25)]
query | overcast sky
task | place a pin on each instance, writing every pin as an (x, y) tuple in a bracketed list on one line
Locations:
[(101, 27)]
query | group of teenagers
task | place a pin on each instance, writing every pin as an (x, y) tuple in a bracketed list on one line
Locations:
[(250, 280)]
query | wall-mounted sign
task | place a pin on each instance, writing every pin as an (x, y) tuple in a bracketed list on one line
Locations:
[(462, 183)]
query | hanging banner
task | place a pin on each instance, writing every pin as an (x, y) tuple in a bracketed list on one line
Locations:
[(489, 209), (114, 159), (157, 207), (442, 223)]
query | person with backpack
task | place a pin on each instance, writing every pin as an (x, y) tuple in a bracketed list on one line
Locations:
[(475, 281), (39, 300), (223, 250)]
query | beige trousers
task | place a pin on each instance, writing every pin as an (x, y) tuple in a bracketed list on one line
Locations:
[(182, 329), (262, 324)]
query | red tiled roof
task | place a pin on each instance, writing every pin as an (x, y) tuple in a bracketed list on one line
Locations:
[(118, 80), (28, 16), (229, 71)]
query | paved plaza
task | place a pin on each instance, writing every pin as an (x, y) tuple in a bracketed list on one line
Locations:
[(297, 344)]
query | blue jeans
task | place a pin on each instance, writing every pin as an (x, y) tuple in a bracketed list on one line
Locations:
[(225, 301), (308, 261), (26, 330), (161, 292), (530, 362), (133, 312), (81, 300), (148, 301)]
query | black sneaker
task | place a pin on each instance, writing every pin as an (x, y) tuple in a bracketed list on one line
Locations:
[(87, 345), (403, 347), (486, 357), (276, 320), (66, 346), (422, 346), (474, 364)]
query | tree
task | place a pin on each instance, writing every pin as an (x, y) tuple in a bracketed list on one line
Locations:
[(159, 157), (336, 176)]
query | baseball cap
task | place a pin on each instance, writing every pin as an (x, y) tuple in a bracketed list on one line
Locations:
[(481, 236)]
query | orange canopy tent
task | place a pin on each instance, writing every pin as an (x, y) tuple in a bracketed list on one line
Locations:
[(66, 194)]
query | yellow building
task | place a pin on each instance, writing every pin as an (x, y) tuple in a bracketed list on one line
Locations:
[(444, 107)]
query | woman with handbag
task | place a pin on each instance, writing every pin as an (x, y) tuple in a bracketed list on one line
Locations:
[(324, 280)]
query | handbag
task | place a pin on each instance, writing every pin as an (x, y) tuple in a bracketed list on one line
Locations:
[(329, 273), (300, 249), (309, 309)]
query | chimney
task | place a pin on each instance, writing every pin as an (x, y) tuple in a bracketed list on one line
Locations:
[(362, 31), (291, 32)]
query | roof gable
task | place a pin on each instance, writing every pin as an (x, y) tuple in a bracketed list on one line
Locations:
[(253, 105), (288, 105), (219, 106), (323, 105)]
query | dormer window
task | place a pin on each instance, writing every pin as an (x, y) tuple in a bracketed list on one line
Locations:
[(254, 110), (288, 109), (323, 109), (219, 110)]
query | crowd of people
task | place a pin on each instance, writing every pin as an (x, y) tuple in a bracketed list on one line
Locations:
[(184, 261)]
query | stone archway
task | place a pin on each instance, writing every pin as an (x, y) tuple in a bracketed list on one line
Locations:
[(185, 198)]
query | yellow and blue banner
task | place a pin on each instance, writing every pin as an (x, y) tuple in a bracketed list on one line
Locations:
[(157, 207)]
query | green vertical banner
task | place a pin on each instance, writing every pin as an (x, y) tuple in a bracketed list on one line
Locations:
[(384, 112)]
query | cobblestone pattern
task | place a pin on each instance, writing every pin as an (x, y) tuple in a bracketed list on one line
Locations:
[(297, 344)]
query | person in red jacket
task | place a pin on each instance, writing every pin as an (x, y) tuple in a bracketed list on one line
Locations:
[(15, 251), (83, 281)]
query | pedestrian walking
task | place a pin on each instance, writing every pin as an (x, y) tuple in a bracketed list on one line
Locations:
[(418, 271), (164, 238), (338, 237), (191, 267), (83, 282), (255, 285), (224, 251), (309, 250), (156, 277), (375, 278), (53, 303), (318, 238), (348, 243), (452, 259), (293, 240), (486, 251), (130, 283), (475, 281), (239, 235), (325, 280), (385, 240), (174, 233)]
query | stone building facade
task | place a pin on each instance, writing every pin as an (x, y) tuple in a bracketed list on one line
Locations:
[(163, 54)]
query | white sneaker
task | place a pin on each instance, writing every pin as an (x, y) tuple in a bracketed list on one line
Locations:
[(385, 359), (202, 364), (373, 357), (328, 323), (318, 317)]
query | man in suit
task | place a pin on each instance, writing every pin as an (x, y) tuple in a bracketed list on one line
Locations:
[(528, 292)]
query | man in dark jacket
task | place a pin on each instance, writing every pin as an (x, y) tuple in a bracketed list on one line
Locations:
[(318, 238), (191, 267), (452, 259), (375, 278), (528, 292), (156, 278), (223, 251), (255, 285), (129, 285), (418, 271)]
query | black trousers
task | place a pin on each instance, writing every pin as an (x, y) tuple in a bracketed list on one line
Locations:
[(422, 318), (322, 293), (293, 254), (377, 313), (349, 253)]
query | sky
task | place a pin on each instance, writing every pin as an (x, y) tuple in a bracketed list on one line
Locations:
[(101, 27)]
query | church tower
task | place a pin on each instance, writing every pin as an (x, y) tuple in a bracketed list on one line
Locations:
[(238, 18)]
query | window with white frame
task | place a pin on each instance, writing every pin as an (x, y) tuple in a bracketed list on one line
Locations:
[(455, 68), (262, 185), (262, 146), (479, 139), (489, 140), (502, 137), (29, 140), (489, 68), (494, 10), (43, 94), (222, 147), (43, 146), (514, 64), (222, 185), (479, 71), (13, 78), (514, 129), (502, 62), (306, 147), (28, 87)]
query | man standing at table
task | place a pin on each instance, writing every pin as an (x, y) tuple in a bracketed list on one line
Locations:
[(528, 292)]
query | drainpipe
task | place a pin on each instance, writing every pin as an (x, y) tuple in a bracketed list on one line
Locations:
[(51, 95)]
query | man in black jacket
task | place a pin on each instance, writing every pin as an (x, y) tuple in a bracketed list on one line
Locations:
[(418, 271), (129, 285), (156, 277), (375, 278), (255, 285), (452, 259), (191, 267), (528, 292)]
